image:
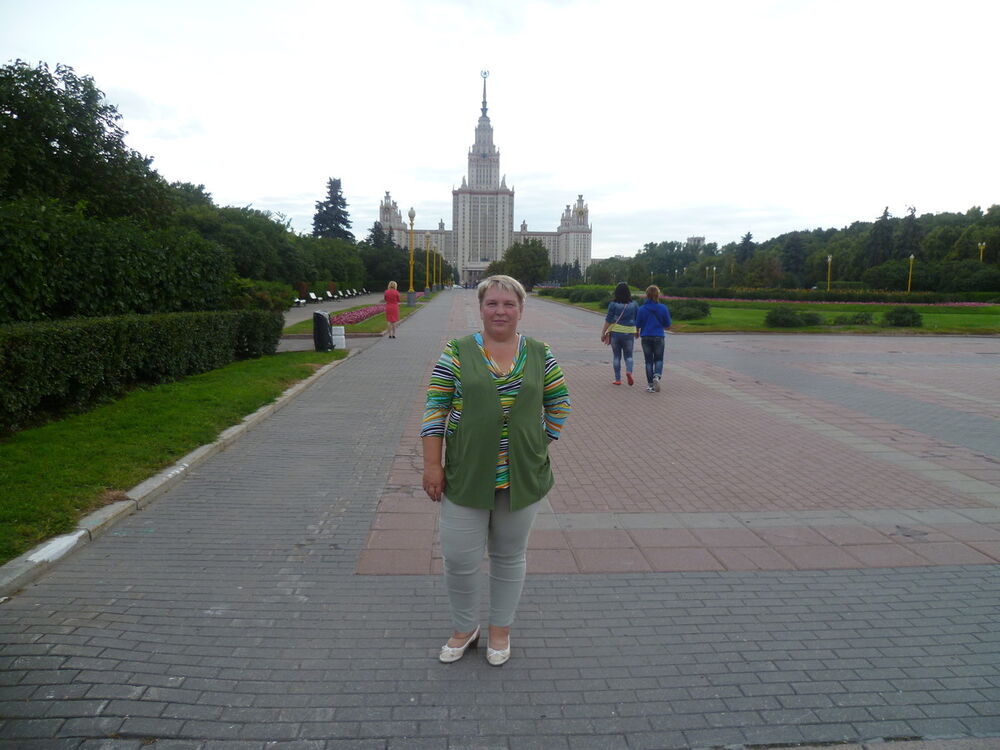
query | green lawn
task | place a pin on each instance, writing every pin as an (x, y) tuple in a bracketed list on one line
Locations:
[(735, 316), (54, 474)]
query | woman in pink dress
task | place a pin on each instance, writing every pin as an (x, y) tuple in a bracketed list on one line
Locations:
[(392, 308)]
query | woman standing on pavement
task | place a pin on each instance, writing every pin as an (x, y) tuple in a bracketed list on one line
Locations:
[(392, 308), (653, 320), (619, 331), (495, 402)]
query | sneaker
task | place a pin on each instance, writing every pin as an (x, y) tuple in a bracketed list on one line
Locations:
[(616, 382), (656, 383), (650, 389), (628, 377)]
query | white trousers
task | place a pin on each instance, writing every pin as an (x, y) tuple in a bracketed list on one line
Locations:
[(466, 533)]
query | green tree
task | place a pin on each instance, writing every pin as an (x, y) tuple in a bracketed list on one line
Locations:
[(745, 250), (527, 262), (384, 260), (331, 219), (908, 235), (62, 140), (878, 248)]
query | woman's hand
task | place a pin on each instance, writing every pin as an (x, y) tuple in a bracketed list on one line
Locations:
[(434, 481)]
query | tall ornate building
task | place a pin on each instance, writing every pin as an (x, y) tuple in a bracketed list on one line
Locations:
[(483, 217)]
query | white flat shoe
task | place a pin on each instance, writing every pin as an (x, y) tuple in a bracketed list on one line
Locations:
[(449, 653), (498, 658)]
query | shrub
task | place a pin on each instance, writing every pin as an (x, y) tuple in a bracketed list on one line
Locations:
[(690, 309), (902, 317), (248, 294), (48, 368), (783, 317), (854, 319), (811, 318), (685, 312)]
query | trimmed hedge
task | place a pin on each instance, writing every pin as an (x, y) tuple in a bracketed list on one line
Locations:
[(60, 263), (53, 367)]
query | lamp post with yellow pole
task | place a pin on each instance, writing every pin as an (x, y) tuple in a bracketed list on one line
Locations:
[(829, 261), (909, 278), (982, 247), (411, 297)]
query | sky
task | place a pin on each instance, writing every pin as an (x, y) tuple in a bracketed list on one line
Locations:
[(672, 118)]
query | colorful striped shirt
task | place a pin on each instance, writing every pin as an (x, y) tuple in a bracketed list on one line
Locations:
[(443, 409)]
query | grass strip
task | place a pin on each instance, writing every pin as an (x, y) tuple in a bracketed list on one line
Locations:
[(53, 475)]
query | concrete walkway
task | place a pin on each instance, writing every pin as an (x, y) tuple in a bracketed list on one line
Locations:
[(726, 563)]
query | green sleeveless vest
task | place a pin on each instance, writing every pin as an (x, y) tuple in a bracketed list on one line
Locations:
[(470, 465)]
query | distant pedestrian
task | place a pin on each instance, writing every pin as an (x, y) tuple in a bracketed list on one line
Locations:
[(495, 402), (392, 308), (619, 331), (653, 320)]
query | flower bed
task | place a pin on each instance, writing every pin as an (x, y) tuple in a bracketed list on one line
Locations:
[(356, 316)]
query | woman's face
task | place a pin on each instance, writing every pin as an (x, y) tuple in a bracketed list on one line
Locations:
[(500, 311)]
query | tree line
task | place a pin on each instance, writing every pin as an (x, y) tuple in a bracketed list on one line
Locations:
[(88, 227), (945, 252)]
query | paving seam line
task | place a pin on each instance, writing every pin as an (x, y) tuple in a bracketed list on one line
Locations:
[(19, 572)]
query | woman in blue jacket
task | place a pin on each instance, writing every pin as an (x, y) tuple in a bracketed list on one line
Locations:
[(619, 327), (652, 321)]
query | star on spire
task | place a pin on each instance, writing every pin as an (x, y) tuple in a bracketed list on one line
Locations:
[(485, 74)]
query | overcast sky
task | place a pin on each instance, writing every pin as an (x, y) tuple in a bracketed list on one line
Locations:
[(711, 118)]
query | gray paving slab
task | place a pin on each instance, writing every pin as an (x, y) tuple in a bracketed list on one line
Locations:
[(227, 614)]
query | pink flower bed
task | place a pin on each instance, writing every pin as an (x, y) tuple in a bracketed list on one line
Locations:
[(356, 316)]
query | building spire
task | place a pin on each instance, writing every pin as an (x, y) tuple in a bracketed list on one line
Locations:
[(485, 74)]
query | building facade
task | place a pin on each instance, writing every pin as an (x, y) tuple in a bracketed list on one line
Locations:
[(482, 217)]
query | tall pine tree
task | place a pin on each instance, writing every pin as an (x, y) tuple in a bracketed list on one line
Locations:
[(331, 218)]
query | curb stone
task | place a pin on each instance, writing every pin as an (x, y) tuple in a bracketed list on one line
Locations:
[(19, 572)]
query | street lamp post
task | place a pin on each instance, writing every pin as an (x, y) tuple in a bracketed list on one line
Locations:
[(829, 261), (982, 247), (909, 278), (713, 277), (411, 297)]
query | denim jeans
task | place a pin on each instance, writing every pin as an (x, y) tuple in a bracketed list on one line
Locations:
[(652, 352), (621, 344)]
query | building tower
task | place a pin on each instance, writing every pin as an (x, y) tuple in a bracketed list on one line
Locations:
[(483, 207)]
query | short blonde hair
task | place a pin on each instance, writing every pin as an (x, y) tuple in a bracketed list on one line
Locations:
[(392, 284), (501, 281), (653, 292)]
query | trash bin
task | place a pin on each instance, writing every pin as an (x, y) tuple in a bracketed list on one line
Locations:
[(339, 337), (322, 336)]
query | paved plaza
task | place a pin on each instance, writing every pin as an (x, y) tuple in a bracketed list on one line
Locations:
[(796, 542)]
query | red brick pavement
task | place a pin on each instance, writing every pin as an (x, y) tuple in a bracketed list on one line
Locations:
[(721, 471)]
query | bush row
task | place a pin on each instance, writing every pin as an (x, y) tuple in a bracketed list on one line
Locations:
[(60, 263), (53, 367), (787, 317)]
